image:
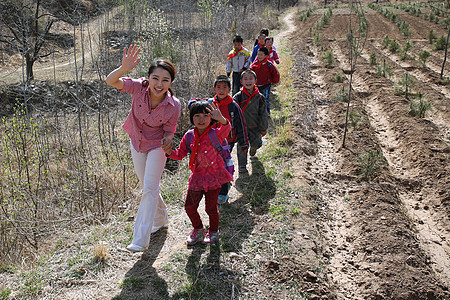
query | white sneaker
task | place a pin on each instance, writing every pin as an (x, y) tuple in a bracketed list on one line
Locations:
[(135, 248)]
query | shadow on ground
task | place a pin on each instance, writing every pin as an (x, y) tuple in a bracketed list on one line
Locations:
[(142, 280)]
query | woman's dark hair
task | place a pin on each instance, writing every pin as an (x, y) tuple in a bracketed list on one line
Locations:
[(199, 107), (163, 64)]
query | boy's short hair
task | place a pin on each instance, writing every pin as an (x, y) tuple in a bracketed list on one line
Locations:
[(248, 71), (265, 50), (238, 39), (199, 107), (268, 38), (222, 78), (261, 34)]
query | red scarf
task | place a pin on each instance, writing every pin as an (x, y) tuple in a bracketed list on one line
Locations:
[(257, 64), (246, 102), (235, 52), (261, 45), (225, 101), (196, 141)]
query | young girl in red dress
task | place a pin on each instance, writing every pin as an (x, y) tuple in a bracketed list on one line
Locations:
[(207, 166)]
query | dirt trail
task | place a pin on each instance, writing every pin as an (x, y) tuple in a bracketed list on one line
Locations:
[(64, 63)]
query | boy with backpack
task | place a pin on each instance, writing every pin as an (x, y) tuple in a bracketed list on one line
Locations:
[(254, 109), (237, 61), (266, 74)]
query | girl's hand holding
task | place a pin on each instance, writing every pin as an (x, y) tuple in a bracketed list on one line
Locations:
[(166, 145), (215, 113), (130, 59)]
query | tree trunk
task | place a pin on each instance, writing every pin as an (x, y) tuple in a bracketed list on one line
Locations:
[(29, 67), (445, 55)]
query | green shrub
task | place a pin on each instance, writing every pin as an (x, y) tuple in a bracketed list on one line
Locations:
[(354, 118), (423, 56), (4, 293), (440, 43), (328, 58), (384, 70), (338, 78), (419, 108), (394, 46), (431, 36), (405, 85), (386, 42), (369, 163), (406, 47), (316, 40), (373, 59), (342, 95)]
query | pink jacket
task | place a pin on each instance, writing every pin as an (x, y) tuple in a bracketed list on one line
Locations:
[(273, 56), (209, 172), (144, 125)]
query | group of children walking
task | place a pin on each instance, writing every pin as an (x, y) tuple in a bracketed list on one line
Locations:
[(219, 123)]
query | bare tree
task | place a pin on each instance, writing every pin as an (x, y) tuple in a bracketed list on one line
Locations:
[(356, 39), (26, 33)]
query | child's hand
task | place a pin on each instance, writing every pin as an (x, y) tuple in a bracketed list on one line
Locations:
[(166, 145), (263, 132), (215, 113), (130, 59)]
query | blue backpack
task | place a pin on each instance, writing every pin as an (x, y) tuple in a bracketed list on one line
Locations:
[(223, 148)]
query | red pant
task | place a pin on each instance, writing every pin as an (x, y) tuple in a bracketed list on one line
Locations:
[(191, 205)]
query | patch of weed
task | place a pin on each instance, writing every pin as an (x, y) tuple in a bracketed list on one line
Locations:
[(419, 108), (338, 78), (132, 282), (369, 163), (328, 58), (4, 293), (341, 95)]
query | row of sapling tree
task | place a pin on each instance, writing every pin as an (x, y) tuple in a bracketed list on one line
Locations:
[(440, 43), (66, 160)]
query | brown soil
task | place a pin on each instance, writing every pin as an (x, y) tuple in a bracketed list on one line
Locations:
[(389, 236)]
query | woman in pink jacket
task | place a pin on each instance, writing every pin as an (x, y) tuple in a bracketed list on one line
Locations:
[(151, 125), (207, 166)]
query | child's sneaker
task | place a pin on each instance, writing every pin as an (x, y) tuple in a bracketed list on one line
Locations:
[(195, 236), (222, 199), (211, 237)]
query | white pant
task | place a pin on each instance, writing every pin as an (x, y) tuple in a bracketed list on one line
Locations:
[(152, 210)]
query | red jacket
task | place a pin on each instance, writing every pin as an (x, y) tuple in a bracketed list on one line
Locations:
[(266, 72)]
